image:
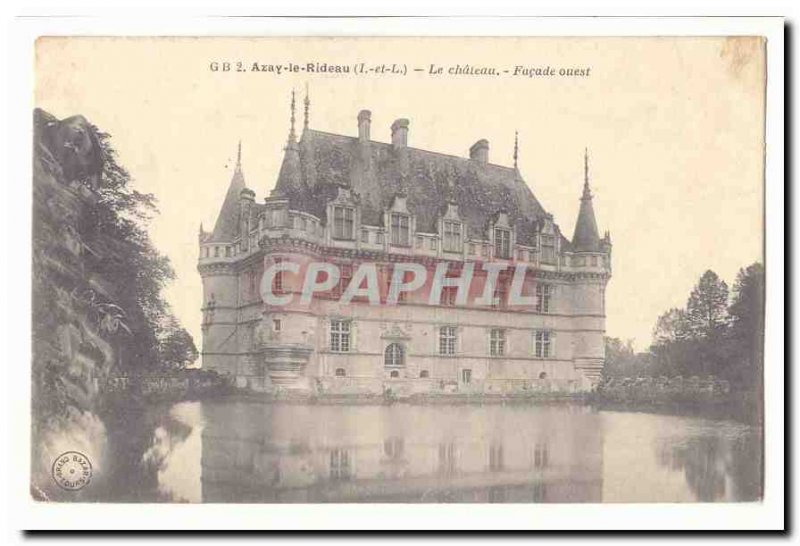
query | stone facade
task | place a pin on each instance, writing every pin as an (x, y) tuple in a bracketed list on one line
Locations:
[(353, 200)]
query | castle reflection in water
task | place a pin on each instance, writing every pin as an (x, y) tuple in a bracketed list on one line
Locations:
[(250, 451), (293, 453)]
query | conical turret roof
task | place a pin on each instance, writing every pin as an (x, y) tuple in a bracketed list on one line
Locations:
[(586, 237), (227, 226)]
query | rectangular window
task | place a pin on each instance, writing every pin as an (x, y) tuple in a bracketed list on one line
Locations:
[(594, 261), (497, 342), (548, 249), (345, 276), (541, 344), (277, 280), (452, 237), (340, 465), (364, 236), (544, 295), (472, 248), (449, 294), (407, 276), (502, 243), (342, 223), (501, 292), (401, 232), (433, 244), (419, 242), (447, 340), (466, 376), (379, 237), (340, 336), (276, 325)]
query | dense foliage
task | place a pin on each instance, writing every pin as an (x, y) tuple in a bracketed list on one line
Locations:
[(139, 271), (718, 334)]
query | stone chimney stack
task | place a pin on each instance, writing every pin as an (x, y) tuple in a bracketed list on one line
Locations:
[(400, 133), (480, 151), (364, 119)]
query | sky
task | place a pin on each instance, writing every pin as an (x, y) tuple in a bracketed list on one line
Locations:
[(674, 129)]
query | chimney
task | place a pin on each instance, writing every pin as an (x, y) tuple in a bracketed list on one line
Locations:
[(480, 151), (400, 133), (364, 118)]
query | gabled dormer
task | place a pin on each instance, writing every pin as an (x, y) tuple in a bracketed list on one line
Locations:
[(400, 222), (502, 236), (451, 230), (343, 215), (548, 241)]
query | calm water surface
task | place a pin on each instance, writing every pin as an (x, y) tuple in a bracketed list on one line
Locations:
[(245, 451)]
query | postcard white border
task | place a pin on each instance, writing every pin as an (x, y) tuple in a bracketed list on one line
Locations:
[(25, 514)]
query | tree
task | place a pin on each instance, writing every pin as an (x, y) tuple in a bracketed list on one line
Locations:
[(118, 227), (176, 348), (623, 361), (747, 325), (707, 308), (671, 326)]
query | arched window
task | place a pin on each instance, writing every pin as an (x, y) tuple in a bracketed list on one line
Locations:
[(543, 375), (340, 372), (394, 374), (394, 356), (424, 374)]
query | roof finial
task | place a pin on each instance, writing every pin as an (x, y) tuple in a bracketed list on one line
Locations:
[(306, 104), (239, 156), (587, 194), (516, 148), (291, 130)]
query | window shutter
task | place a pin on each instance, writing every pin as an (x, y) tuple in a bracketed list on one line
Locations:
[(552, 344)]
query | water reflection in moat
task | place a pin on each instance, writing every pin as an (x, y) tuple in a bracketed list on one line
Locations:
[(238, 451)]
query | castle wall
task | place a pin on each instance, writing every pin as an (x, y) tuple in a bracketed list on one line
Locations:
[(242, 324)]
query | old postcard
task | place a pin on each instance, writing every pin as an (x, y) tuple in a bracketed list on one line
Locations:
[(398, 269)]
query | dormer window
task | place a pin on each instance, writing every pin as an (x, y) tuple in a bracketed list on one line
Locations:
[(502, 243), (401, 229), (342, 223), (548, 249), (451, 237)]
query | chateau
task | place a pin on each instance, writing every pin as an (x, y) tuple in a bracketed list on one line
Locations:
[(350, 200)]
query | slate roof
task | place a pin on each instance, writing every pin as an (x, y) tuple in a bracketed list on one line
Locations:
[(313, 169), (227, 227), (586, 237)]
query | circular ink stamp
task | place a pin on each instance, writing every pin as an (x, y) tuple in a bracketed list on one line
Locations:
[(72, 471)]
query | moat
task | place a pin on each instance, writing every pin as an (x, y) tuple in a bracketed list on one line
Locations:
[(236, 450)]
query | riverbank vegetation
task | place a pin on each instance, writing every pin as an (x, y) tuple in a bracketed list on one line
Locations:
[(711, 348), (98, 308)]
